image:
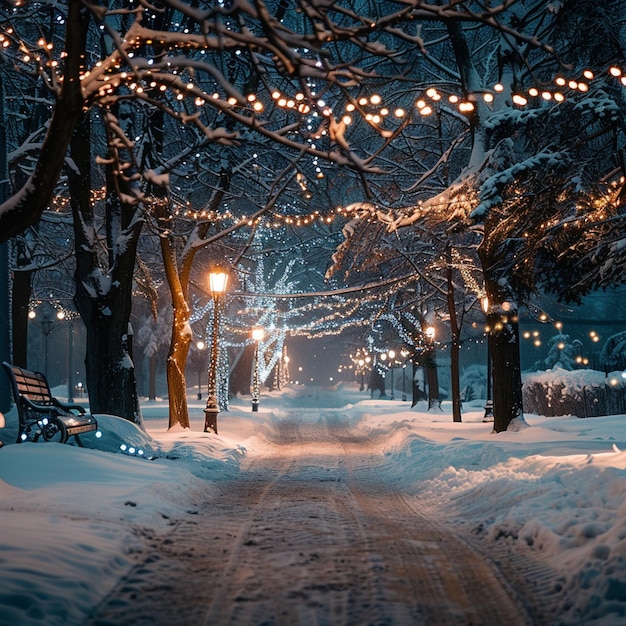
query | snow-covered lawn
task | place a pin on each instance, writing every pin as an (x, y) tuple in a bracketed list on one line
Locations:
[(73, 517)]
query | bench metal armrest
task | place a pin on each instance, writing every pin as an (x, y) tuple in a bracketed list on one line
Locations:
[(69, 406)]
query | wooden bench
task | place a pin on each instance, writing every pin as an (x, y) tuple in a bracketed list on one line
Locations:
[(42, 415)]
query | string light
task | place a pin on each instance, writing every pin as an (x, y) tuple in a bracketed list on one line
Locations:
[(107, 76)]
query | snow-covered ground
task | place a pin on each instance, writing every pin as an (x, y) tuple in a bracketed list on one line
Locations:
[(72, 518)]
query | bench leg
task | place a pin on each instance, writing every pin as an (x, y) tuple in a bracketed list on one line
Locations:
[(54, 430)]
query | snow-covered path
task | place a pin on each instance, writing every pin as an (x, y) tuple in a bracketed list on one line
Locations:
[(309, 532)]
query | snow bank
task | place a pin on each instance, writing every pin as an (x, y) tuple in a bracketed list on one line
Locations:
[(73, 518)]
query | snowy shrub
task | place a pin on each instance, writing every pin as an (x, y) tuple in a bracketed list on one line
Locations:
[(474, 382), (562, 352), (584, 393), (613, 355)]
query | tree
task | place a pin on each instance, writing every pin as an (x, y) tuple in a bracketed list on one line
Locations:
[(613, 354), (316, 69), (516, 160)]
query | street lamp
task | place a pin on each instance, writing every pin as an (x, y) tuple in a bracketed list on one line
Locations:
[(46, 326), (61, 315), (488, 417), (218, 281), (257, 336), (361, 364), (392, 356), (200, 346)]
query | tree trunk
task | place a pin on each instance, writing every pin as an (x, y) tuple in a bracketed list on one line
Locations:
[(152, 377), (109, 370), (432, 379), (455, 382), (176, 365), (455, 349), (506, 368), (104, 295), (239, 380), (22, 287)]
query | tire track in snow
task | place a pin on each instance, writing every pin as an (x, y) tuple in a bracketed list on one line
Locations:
[(450, 581), (310, 533)]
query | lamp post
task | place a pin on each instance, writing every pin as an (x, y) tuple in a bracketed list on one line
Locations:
[(392, 356), (218, 281), (257, 336), (361, 364), (488, 417), (200, 346), (46, 326), (70, 354)]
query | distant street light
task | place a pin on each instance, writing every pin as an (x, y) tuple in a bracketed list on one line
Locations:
[(70, 354), (200, 346), (488, 417), (218, 282), (392, 356), (257, 336), (361, 364)]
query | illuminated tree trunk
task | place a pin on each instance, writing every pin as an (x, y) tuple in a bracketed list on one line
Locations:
[(502, 319), (175, 365), (177, 274)]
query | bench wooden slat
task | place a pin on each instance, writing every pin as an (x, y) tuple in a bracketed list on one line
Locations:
[(40, 413)]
